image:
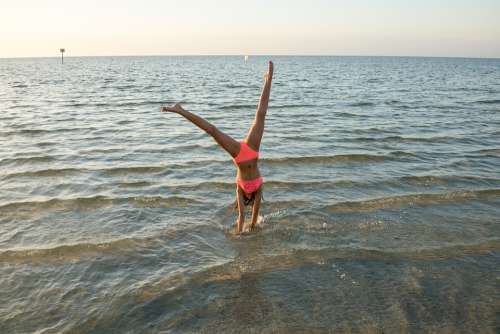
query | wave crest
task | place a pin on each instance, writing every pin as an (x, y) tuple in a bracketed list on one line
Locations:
[(413, 199)]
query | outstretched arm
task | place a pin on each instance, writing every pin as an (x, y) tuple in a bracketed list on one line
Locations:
[(225, 141)]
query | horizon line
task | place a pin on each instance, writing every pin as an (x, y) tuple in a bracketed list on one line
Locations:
[(250, 55)]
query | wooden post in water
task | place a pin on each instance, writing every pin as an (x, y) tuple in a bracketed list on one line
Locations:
[(62, 55)]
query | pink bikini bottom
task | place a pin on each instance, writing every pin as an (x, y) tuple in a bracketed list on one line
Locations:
[(249, 186)]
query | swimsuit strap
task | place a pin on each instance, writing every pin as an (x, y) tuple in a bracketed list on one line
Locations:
[(246, 153)]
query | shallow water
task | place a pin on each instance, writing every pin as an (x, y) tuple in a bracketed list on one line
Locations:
[(382, 196)]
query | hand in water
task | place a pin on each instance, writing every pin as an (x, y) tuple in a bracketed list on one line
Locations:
[(269, 75), (175, 108), (239, 227)]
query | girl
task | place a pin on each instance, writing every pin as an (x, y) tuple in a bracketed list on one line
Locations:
[(245, 154)]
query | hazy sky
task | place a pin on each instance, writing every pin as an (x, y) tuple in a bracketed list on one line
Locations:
[(162, 27)]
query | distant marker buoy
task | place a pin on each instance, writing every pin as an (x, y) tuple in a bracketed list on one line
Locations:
[(62, 55)]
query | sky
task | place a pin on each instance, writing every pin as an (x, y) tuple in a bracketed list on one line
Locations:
[(460, 28)]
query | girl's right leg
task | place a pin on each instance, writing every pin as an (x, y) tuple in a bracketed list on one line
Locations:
[(226, 142), (254, 136)]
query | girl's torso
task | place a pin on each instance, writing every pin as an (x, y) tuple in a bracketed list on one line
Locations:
[(246, 163), (248, 170)]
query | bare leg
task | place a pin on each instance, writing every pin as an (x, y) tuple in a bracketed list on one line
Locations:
[(241, 209), (226, 142), (256, 207), (255, 133)]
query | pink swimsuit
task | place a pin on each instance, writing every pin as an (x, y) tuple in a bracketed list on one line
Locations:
[(246, 154)]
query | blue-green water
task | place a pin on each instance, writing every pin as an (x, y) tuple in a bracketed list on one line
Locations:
[(381, 211)]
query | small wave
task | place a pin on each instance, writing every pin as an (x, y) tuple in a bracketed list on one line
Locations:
[(327, 159), (210, 185), (113, 247), (495, 101), (119, 104), (494, 151), (403, 154), (414, 199), (125, 121), (439, 139), (399, 104), (71, 171), (345, 114), (371, 130), (34, 132), (290, 184), (45, 173), (31, 131), (180, 147), (84, 104), (19, 86), (237, 106), (150, 87), (294, 106), (27, 160), (300, 137), (290, 204), (392, 101), (144, 103), (429, 180), (310, 184), (158, 201), (99, 151), (124, 87), (26, 106), (133, 170), (66, 252), (361, 104), (408, 139), (95, 202), (45, 144), (425, 180), (134, 184), (113, 171), (240, 86)]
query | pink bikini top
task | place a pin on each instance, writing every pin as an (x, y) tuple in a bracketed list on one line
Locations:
[(246, 153)]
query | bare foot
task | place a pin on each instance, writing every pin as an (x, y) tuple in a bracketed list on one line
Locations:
[(175, 108), (269, 75)]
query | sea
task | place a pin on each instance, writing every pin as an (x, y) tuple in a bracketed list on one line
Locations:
[(381, 210)]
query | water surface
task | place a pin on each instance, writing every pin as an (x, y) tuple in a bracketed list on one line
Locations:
[(382, 196)]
